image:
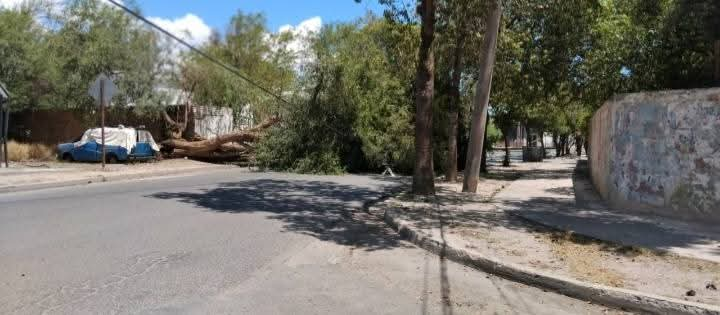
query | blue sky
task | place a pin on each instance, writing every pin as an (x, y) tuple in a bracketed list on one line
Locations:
[(194, 20), (217, 13)]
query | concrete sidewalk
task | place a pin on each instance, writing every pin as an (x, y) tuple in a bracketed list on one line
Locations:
[(517, 227), (559, 194), (31, 176)]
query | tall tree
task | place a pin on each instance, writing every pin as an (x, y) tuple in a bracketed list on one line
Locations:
[(455, 52), (482, 98), (454, 110), (94, 37), (24, 66), (423, 174), (247, 45)]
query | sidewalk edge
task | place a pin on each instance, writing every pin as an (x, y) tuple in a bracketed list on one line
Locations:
[(105, 178), (608, 296)]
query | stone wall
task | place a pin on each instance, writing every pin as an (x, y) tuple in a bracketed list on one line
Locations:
[(659, 152)]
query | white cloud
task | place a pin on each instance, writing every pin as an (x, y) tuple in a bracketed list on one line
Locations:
[(302, 33), (312, 24), (118, 1), (10, 3), (45, 8), (190, 28)]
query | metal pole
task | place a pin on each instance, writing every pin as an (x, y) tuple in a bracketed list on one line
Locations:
[(2, 134), (102, 119), (5, 133), (717, 62)]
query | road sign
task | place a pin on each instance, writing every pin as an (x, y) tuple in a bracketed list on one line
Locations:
[(102, 90), (3, 94), (4, 122), (109, 89)]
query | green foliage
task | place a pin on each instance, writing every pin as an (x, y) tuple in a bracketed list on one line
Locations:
[(355, 103), (322, 162), (352, 95), (23, 65), (259, 54), (95, 38), (494, 135), (51, 65), (560, 60)]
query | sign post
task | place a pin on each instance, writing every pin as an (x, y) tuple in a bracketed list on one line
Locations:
[(102, 119), (717, 62), (4, 122), (6, 111), (102, 90)]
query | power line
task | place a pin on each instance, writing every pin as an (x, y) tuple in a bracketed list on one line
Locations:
[(229, 68)]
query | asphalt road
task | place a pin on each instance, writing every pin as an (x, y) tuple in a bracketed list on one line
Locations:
[(233, 242)]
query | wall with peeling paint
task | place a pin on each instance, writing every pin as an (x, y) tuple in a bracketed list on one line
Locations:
[(659, 152)]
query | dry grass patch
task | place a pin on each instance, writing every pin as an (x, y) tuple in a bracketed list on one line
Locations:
[(584, 258), (697, 265), (18, 151)]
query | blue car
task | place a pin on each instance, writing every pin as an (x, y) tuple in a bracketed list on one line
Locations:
[(121, 145)]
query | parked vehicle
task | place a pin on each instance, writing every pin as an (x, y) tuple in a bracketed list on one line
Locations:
[(122, 144)]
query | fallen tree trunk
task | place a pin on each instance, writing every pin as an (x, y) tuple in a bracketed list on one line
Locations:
[(232, 143), (215, 155)]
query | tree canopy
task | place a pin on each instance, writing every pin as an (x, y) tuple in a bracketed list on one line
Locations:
[(352, 90)]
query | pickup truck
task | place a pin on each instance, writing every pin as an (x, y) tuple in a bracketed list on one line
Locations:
[(121, 145)]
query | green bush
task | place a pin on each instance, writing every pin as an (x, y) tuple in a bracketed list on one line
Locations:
[(355, 109), (319, 163)]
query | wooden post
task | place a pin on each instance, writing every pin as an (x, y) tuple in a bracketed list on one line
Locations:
[(102, 119)]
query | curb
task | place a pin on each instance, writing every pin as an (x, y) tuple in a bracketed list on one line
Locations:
[(600, 294), (384, 196), (103, 179)]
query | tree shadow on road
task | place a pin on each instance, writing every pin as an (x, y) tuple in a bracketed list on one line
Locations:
[(329, 211)]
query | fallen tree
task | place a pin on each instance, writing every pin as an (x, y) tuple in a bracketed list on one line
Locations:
[(237, 144)]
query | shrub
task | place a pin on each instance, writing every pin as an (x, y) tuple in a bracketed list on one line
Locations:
[(319, 163), (25, 152), (18, 151), (41, 152), (282, 149)]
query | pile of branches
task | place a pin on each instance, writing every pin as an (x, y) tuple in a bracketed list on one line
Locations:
[(237, 145)]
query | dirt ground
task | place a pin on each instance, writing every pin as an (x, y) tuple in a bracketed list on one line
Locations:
[(33, 173)]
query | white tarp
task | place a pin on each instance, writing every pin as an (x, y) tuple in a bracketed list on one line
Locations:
[(123, 137), (146, 136)]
